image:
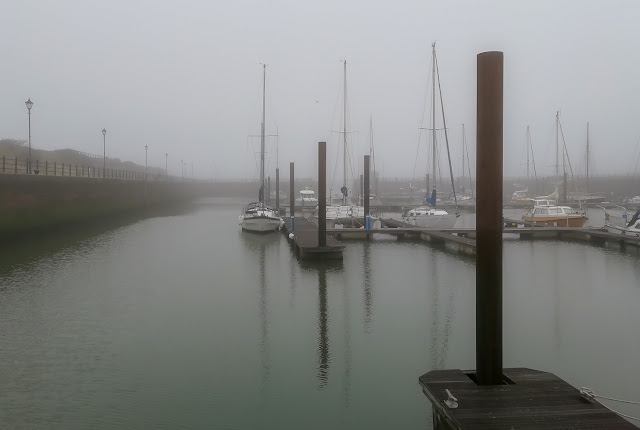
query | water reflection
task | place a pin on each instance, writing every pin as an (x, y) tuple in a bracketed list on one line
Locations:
[(367, 288), (439, 337), (259, 244), (324, 343)]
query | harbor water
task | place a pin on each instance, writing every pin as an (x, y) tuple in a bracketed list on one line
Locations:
[(184, 321)]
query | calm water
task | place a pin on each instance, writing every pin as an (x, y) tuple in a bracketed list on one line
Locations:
[(186, 322)]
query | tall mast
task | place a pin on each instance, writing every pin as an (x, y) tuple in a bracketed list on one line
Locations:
[(587, 156), (528, 146), (444, 126), (372, 156), (344, 134), (264, 81), (433, 111), (463, 148), (557, 145)]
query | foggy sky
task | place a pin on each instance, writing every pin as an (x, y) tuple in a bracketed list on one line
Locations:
[(185, 78)]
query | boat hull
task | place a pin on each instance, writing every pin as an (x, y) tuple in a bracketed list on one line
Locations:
[(432, 221), (566, 221), (260, 224)]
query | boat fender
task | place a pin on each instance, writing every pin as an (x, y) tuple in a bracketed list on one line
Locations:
[(291, 236)]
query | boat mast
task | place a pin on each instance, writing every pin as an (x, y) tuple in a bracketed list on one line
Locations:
[(444, 126), (557, 145), (463, 148), (264, 81), (344, 134), (372, 156), (587, 156), (433, 112), (528, 146)]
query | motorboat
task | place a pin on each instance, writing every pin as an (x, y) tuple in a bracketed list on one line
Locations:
[(548, 213), (308, 198)]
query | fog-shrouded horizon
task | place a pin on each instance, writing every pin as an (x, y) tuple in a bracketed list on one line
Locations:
[(185, 78)]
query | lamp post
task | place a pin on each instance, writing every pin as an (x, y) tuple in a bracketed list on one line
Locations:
[(29, 104), (146, 150), (104, 152), (166, 169)]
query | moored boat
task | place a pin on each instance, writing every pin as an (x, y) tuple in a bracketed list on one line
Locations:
[(547, 213), (618, 220)]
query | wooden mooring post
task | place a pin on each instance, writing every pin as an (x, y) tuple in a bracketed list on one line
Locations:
[(367, 218), (322, 194), (492, 397)]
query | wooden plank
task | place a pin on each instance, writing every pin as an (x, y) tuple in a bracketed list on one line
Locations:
[(535, 400)]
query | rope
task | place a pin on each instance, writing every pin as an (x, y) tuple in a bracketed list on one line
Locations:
[(591, 396)]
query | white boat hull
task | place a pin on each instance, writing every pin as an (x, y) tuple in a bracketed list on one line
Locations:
[(260, 224), (432, 221)]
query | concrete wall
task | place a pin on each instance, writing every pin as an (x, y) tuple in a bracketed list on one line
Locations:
[(31, 204)]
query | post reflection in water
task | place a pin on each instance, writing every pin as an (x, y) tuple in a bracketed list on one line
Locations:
[(323, 328), (346, 381), (367, 287), (440, 338)]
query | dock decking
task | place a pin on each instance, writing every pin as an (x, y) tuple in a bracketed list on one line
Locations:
[(530, 399), (305, 240)]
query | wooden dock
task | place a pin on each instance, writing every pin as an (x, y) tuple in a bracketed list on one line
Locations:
[(529, 399), (305, 240)]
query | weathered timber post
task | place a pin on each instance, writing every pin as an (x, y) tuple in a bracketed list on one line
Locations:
[(489, 219), (292, 197), (278, 190), (367, 218), (322, 194)]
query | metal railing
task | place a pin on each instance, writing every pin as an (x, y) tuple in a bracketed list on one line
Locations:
[(54, 168)]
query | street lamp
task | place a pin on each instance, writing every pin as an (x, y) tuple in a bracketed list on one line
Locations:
[(166, 169), (146, 149), (29, 104), (104, 152)]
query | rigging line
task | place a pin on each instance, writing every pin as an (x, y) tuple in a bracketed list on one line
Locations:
[(466, 148), (564, 145), (533, 160), (446, 138), (421, 128)]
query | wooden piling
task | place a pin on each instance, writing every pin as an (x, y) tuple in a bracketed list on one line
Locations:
[(489, 218), (322, 194), (361, 190), (292, 196), (367, 221)]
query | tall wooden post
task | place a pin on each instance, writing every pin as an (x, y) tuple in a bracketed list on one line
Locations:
[(489, 219), (367, 221), (292, 196), (361, 192), (278, 190), (322, 194)]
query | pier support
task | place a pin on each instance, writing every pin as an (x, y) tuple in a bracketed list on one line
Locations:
[(322, 194), (292, 197), (489, 219), (367, 218)]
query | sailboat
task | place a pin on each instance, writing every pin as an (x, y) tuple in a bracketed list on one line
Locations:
[(428, 216), (346, 213), (259, 216)]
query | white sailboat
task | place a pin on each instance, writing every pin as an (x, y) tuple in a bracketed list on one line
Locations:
[(258, 216), (346, 213), (429, 216)]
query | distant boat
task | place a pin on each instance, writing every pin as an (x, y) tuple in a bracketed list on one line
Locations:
[(259, 216), (548, 213), (307, 198), (618, 220), (428, 216)]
